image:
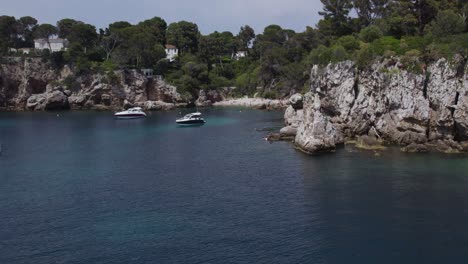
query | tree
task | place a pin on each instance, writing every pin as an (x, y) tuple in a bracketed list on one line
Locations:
[(119, 25), (84, 35), (369, 10), (7, 32), (26, 26), (46, 31), (337, 11), (139, 47), (110, 43), (65, 26), (446, 23), (215, 46), (246, 36), (156, 26), (184, 35)]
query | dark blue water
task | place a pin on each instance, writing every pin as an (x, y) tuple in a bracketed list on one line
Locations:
[(82, 187)]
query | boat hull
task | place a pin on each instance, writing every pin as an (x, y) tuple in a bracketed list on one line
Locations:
[(130, 116), (191, 122)]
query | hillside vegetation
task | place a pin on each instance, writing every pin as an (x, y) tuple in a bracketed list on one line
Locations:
[(278, 60)]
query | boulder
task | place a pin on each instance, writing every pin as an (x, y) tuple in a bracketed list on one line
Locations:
[(273, 137), (56, 100), (127, 104), (67, 92), (36, 102), (446, 146), (415, 148), (296, 101), (76, 101), (288, 131), (369, 143), (293, 117), (203, 100)]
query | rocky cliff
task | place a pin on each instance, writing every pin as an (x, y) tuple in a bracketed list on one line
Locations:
[(31, 84), (421, 111)]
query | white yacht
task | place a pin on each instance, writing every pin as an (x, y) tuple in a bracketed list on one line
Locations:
[(135, 112), (191, 119)]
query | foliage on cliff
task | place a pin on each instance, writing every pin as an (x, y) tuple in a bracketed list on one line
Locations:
[(278, 60)]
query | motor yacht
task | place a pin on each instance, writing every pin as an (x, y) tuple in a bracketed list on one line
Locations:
[(135, 112), (191, 119)]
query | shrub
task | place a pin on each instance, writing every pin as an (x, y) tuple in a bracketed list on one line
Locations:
[(338, 53), (83, 65), (364, 56), (350, 43), (370, 34), (321, 56), (108, 66), (411, 61), (379, 46)]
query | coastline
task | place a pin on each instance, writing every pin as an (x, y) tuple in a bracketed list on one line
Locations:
[(255, 103)]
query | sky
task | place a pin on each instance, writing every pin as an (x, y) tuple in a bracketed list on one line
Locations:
[(209, 15)]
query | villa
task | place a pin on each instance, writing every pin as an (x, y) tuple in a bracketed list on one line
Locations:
[(239, 54), (57, 44), (171, 52)]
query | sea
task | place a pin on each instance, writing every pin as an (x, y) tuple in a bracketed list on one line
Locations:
[(84, 187)]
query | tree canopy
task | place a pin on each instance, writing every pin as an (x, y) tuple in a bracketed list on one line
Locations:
[(278, 59)]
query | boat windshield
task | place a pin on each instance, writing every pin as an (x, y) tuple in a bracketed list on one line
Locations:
[(193, 115)]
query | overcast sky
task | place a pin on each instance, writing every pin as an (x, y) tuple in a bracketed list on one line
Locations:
[(210, 15)]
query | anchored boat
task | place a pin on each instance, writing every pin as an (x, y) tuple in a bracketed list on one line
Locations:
[(136, 112), (191, 119)]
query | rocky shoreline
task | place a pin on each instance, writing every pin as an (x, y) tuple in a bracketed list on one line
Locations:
[(29, 84), (385, 104), (255, 103)]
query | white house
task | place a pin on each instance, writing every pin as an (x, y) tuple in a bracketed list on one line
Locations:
[(57, 44), (239, 54), (171, 52)]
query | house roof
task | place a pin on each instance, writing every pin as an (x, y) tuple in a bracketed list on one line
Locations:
[(170, 46)]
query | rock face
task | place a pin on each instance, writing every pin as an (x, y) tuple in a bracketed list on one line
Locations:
[(30, 84), (296, 101), (316, 132), (393, 104), (293, 116)]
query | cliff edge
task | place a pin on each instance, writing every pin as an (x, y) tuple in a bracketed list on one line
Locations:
[(427, 110)]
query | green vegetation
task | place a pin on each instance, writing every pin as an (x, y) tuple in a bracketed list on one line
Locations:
[(278, 60)]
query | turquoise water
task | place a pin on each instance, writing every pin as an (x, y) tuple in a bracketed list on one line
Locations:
[(82, 187)]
